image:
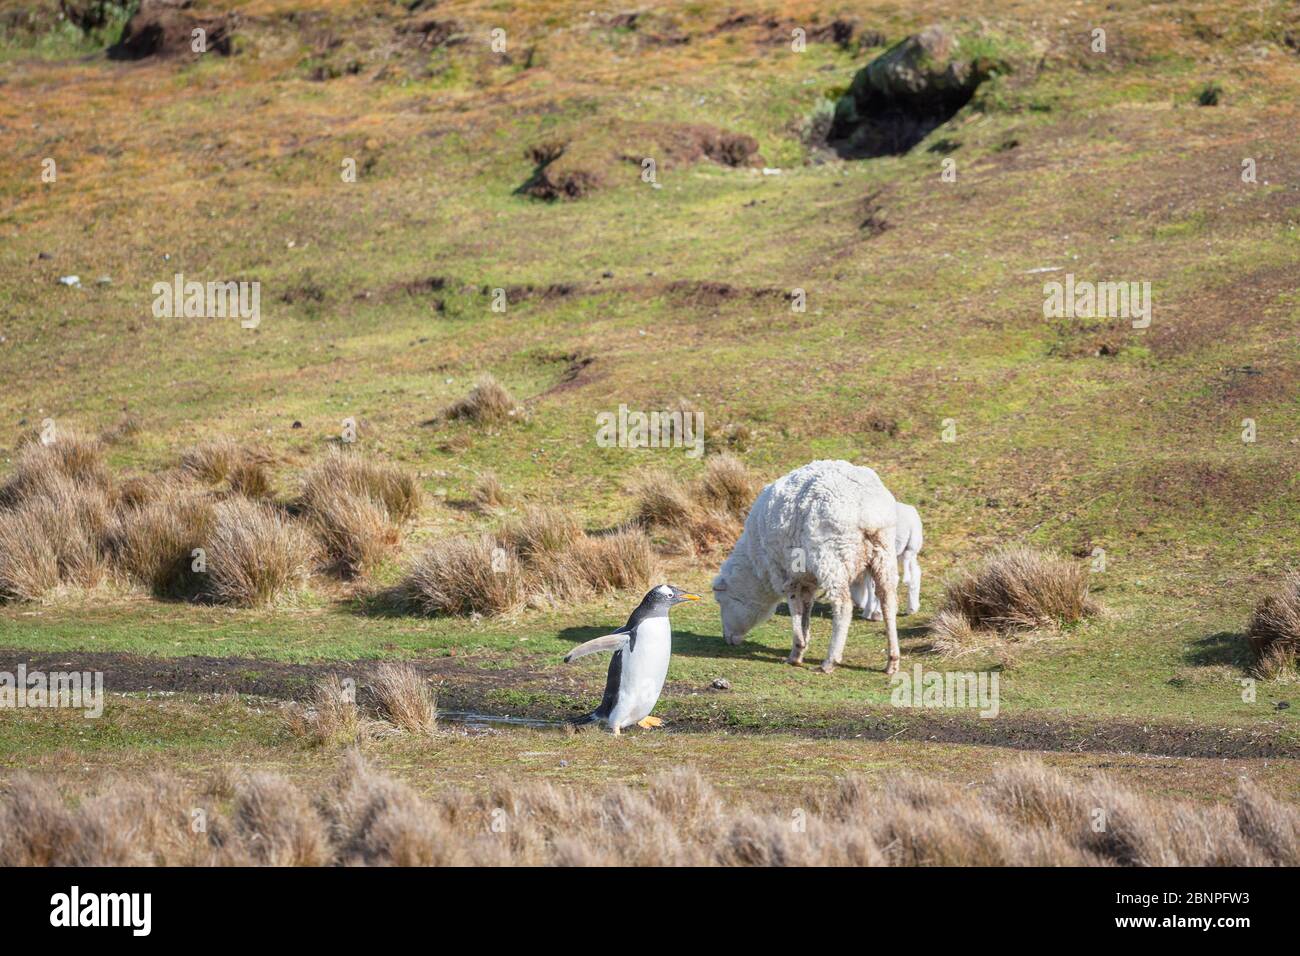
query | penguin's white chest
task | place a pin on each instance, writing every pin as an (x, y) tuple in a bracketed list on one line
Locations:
[(645, 668)]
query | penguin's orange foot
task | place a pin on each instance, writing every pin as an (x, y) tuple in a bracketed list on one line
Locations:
[(648, 722)]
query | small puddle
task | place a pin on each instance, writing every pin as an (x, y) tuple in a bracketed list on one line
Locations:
[(472, 719)]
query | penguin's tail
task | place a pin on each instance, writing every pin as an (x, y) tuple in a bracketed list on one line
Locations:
[(584, 719)]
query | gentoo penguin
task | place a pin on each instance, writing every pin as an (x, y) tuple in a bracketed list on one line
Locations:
[(641, 649)]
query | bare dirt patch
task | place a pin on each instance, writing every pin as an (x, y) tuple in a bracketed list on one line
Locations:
[(461, 686), (160, 28), (576, 374), (685, 143)]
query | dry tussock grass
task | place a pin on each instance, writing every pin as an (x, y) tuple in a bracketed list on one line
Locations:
[(544, 558), (243, 469), (154, 542), (1027, 815), (357, 508), (488, 493), (65, 524), (1274, 632), (621, 561), (38, 468), (702, 515), (473, 574), (1016, 590), (396, 491), (210, 462), (52, 538), (404, 698), (330, 715), (488, 403), (255, 555), (541, 532)]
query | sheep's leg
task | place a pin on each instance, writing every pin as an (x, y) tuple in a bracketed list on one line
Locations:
[(912, 578), (883, 565), (841, 616), (798, 615), (807, 618)]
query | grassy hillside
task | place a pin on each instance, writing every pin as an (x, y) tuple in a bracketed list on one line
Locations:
[(924, 318)]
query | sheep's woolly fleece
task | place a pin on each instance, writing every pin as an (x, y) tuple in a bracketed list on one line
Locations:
[(822, 508)]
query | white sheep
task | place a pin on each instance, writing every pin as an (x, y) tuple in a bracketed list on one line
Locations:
[(907, 545), (822, 527)]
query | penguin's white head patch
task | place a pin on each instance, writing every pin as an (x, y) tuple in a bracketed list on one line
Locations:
[(665, 590)]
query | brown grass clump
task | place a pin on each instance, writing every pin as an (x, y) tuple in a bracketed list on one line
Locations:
[(702, 515), (347, 471), (244, 470), (1027, 815), (53, 538), (137, 491), (254, 554), (488, 493), (542, 559), (251, 479), (1020, 589), (543, 531), (475, 574), (38, 468), (373, 820), (1279, 663), (663, 501), (728, 485), (404, 698), (488, 403), (275, 821), (155, 542), (357, 508), (1274, 631), (1271, 826), (211, 462), (624, 560), (330, 715), (356, 533)]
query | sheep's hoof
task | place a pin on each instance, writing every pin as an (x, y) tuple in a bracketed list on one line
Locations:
[(794, 661), (827, 667), (876, 617), (892, 667)]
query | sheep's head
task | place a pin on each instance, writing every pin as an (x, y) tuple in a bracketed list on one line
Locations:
[(741, 610)]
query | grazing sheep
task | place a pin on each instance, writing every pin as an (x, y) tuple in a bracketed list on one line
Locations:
[(819, 528), (907, 545)]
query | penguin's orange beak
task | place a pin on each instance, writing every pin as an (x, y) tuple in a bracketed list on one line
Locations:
[(690, 597)]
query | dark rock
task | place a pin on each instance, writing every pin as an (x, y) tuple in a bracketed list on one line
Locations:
[(899, 97)]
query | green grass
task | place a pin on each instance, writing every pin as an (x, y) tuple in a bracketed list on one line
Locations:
[(224, 163)]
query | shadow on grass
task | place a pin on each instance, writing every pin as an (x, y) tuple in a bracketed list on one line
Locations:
[(1225, 647), (691, 644), (389, 602)]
